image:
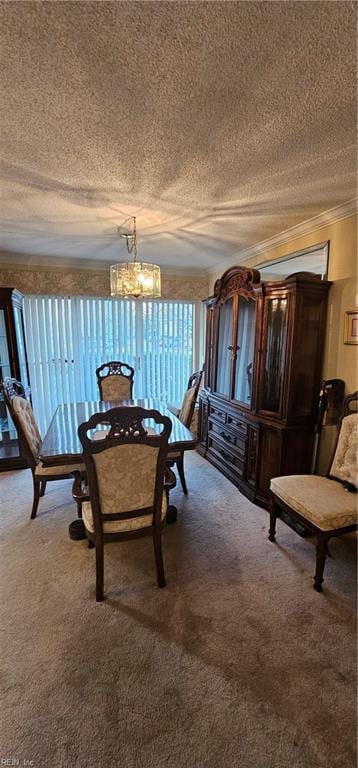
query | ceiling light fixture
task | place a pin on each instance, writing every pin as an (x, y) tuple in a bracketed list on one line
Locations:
[(136, 279)]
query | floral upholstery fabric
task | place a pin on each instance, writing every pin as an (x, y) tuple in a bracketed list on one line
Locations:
[(345, 462), (324, 502), (116, 387), (194, 424), (187, 404), (120, 526), (126, 476), (27, 420), (64, 469)]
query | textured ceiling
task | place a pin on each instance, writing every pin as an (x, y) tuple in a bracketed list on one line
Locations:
[(216, 124)]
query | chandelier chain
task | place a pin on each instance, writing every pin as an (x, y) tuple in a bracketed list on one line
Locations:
[(131, 239)]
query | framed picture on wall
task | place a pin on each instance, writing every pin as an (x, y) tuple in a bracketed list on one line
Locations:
[(351, 327)]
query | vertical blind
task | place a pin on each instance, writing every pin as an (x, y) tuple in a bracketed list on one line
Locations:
[(69, 337)]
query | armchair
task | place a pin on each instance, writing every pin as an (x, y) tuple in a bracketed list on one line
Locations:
[(127, 490), (29, 435), (185, 414), (326, 506)]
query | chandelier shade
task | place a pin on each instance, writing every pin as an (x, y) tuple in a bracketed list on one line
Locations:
[(136, 279)]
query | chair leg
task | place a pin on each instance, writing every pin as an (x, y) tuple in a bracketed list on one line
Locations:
[(321, 554), (43, 487), (99, 571), (157, 541), (180, 466), (37, 490), (273, 517), (77, 492)]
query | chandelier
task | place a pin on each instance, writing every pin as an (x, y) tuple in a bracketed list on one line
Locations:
[(136, 279)]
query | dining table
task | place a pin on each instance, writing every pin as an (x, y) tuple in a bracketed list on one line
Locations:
[(61, 444)]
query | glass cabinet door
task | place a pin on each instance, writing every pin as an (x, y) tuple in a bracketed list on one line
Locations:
[(224, 349), (245, 350), (274, 354), (20, 338), (9, 446)]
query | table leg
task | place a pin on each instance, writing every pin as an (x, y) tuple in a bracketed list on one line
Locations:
[(76, 530), (172, 514)]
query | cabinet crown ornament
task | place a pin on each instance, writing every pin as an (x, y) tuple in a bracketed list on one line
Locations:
[(235, 279)]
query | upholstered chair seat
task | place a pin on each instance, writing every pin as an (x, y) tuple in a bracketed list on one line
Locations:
[(28, 431), (326, 506), (60, 469)]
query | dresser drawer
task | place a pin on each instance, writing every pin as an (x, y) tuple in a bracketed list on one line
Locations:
[(235, 461), (237, 424), (218, 413), (229, 437)]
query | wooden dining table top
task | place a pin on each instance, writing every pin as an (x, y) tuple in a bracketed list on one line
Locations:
[(61, 444)]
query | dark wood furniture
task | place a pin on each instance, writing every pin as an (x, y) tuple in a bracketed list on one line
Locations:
[(185, 414), (22, 415), (61, 443), (13, 364), (264, 348), (115, 380), (126, 481), (326, 506)]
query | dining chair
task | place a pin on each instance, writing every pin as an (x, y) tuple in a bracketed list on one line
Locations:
[(185, 414), (128, 481), (326, 506), (25, 423), (115, 381)]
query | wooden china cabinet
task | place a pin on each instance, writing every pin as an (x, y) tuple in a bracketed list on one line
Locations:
[(264, 350), (13, 362)]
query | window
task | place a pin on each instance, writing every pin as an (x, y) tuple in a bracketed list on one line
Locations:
[(69, 337)]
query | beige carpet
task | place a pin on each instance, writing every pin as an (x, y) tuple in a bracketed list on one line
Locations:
[(237, 662)]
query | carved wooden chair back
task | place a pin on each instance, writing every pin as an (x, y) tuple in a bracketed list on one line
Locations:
[(115, 381), (126, 478), (190, 397), (23, 418)]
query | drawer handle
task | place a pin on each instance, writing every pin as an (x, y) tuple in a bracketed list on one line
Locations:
[(226, 455), (226, 437)]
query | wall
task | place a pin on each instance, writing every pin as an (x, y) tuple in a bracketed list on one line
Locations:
[(81, 282), (340, 360)]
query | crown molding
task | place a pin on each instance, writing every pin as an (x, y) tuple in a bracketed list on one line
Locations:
[(332, 216), (10, 260)]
